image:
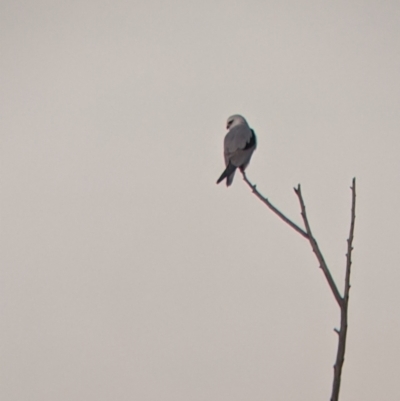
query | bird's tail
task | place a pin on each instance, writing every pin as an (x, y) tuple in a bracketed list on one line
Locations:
[(228, 174)]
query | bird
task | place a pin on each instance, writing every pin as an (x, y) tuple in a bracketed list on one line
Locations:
[(239, 145)]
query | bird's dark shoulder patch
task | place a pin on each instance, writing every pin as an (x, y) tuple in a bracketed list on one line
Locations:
[(252, 142)]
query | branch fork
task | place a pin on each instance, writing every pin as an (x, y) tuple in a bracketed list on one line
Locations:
[(342, 301)]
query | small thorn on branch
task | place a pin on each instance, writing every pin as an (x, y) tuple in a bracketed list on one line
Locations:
[(297, 189), (336, 331)]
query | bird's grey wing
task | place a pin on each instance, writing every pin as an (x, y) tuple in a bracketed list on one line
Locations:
[(239, 145)]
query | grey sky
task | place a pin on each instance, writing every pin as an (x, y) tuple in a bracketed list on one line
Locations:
[(126, 273)]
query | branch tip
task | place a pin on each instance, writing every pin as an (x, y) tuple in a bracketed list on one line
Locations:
[(314, 245), (273, 208)]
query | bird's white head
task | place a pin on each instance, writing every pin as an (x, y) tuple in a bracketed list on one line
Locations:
[(234, 120)]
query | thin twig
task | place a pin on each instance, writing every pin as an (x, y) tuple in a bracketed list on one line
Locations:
[(337, 369), (273, 208), (316, 250), (343, 302), (350, 241)]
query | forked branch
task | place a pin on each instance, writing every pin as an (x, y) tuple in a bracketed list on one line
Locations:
[(342, 301)]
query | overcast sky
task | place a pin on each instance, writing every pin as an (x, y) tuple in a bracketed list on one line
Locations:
[(126, 272)]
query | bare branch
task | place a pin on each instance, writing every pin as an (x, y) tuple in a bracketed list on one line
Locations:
[(273, 208), (337, 369), (316, 250), (350, 241), (343, 302)]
